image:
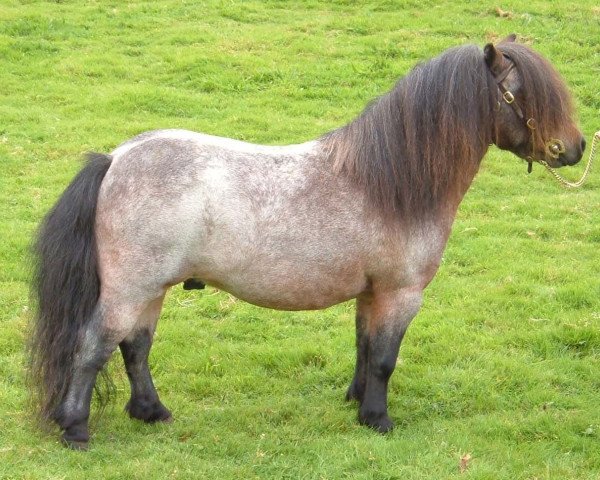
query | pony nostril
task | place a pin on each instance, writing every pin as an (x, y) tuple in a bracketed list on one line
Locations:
[(583, 145)]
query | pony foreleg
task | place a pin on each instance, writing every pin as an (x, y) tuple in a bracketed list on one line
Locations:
[(388, 316), (357, 387), (144, 403)]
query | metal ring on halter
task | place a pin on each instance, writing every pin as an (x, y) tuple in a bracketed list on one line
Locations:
[(555, 147), (566, 183)]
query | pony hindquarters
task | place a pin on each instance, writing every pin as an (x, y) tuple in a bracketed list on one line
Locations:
[(66, 288), (72, 335)]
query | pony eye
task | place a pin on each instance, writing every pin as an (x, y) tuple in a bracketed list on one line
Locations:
[(506, 56)]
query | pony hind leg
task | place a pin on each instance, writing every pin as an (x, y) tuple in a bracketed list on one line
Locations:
[(114, 319), (73, 413), (144, 403)]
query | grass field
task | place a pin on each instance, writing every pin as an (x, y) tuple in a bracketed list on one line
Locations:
[(499, 371)]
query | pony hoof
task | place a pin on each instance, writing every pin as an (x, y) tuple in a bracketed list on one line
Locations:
[(168, 419), (78, 445), (379, 422), (149, 412), (76, 437)]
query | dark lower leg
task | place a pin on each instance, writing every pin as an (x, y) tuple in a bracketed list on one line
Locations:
[(383, 353), (389, 314), (144, 403), (73, 414)]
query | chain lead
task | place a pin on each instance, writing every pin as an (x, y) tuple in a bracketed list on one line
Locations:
[(566, 183)]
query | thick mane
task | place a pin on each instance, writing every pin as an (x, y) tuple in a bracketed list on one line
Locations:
[(422, 141)]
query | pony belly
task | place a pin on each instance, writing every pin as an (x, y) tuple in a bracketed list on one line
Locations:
[(291, 291), (286, 300)]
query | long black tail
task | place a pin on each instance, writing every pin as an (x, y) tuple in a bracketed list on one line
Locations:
[(65, 285)]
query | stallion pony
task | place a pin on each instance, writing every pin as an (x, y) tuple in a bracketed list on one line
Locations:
[(363, 212)]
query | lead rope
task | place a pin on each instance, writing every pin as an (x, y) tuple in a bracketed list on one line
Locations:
[(562, 180)]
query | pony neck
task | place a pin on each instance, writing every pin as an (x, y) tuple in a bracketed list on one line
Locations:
[(419, 146)]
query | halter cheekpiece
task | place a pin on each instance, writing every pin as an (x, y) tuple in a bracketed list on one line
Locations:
[(554, 147)]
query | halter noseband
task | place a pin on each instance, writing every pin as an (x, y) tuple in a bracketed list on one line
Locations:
[(554, 147)]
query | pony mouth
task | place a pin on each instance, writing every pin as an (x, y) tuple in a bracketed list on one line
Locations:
[(562, 161), (568, 160), (557, 154), (555, 162)]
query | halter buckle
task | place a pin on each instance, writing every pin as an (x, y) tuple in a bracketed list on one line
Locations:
[(531, 124), (508, 97)]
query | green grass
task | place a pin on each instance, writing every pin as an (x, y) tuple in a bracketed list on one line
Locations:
[(502, 363)]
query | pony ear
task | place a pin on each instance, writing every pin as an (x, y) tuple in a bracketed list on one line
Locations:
[(510, 39), (490, 54)]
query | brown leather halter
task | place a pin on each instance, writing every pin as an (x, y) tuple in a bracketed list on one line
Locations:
[(554, 147)]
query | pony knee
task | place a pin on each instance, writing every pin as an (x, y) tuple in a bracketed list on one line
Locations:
[(389, 329), (383, 368), (408, 304)]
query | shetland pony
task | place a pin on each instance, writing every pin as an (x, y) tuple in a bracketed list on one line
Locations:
[(364, 213)]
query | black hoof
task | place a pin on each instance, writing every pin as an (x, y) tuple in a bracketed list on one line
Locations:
[(76, 437), (75, 444), (378, 422), (149, 412)]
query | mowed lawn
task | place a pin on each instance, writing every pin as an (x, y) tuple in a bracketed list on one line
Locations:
[(499, 376)]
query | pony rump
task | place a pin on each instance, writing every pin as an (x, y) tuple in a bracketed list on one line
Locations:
[(424, 139), (66, 287)]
